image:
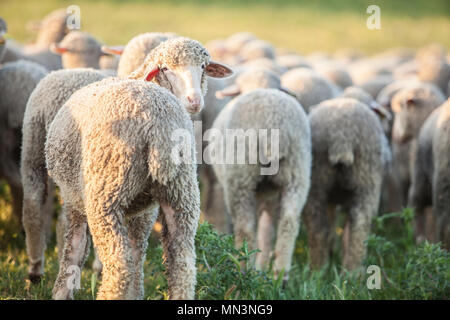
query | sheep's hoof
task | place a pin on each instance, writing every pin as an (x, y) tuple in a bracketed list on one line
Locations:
[(35, 278)]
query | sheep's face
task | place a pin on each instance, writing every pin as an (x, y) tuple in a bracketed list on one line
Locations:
[(181, 66)]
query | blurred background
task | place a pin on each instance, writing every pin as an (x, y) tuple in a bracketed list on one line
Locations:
[(300, 25)]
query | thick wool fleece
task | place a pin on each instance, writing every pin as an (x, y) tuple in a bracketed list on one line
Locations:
[(430, 177), (350, 152), (17, 81), (250, 196), (137, 49), (109, 149), (44, 102)]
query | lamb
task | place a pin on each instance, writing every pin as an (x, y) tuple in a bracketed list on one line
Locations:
[(412, 106), (350, 153), (17, 81), (430, 178), (136, 50), (78, 50), (310, 87), (43, 104), (52, 29), (253, 196), (111, 151)]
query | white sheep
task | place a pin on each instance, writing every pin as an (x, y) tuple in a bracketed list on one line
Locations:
[(43, 104), (17, 81), (110, 150), (251, 197)]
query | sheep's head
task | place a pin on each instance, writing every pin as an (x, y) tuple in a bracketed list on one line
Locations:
[(181, 66), (412, 106), (78, 50)]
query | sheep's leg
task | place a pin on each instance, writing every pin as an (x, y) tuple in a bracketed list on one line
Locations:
[(110, 237), (266, 233), (241, 204), (215, 211), (139, 228), (441, 207), (419, 199), (97, 264), (37, 218), (76, 250), (179, 249), (318, 228), (292, 202), (362, 209)]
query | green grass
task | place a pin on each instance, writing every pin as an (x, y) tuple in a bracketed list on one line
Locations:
[(407, 271), (300, 25)]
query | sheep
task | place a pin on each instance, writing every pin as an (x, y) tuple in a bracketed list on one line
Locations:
[(292, 61), (43, 104), (436, 72), (376, 84), (310, 87), (430, 178), (78, 50), (52, 29), (350, 153), (253, 198), (237, 41), (17, 81), (136, 50), (110, 150), (3, 30), (265, 63), (411, 106)]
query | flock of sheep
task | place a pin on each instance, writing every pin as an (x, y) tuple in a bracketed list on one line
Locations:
[(355, 133)]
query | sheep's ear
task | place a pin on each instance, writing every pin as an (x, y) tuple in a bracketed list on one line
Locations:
[(57, 49), (218, 70), (410, 102), (230, 91), (382, 112), (288, 91), (117, 50)]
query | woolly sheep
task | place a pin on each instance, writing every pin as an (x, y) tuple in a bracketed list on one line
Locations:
[(430, 178), (436, 72), (310, 87), (17, 81), (253, 198), (336, 74), (44, 102), (350, 152), (130, 122), (412, 106), (292, 61), (264, 63), (78, 50)]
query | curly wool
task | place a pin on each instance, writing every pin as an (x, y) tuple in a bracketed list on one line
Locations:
[(109, 149), (137, 49), (246, 190)]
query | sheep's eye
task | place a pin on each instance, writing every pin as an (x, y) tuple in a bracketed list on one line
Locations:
[(203, 66), (163, 69)]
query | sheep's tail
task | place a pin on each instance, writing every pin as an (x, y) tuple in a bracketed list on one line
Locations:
[(341, 153)]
